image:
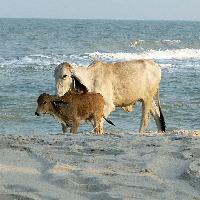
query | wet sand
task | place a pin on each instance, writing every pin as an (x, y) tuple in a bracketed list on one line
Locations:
[(111, 166)]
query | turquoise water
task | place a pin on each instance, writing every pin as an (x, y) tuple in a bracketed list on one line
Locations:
[(30, 49)]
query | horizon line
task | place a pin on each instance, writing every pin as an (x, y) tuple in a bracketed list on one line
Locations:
[(106, 19)]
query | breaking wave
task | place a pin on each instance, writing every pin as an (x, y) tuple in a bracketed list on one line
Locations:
[(178, 54), (47, 61), (37, 61), (153, 43)]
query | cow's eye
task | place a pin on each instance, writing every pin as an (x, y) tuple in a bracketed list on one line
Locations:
[(64, 76), (44, 102)]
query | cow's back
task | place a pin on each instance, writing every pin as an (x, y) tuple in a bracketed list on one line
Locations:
[(129, 81)]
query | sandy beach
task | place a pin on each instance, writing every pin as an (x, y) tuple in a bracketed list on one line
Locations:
[(111, 166)]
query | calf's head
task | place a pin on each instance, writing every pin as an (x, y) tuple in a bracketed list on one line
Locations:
[(44, 104)]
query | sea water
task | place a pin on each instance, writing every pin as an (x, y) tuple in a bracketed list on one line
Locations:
[(30, 49)]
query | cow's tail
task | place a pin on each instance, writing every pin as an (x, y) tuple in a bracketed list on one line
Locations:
[(162, 120), (108, 121)]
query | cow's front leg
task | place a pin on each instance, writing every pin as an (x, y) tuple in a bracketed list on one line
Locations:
[(108, 108)]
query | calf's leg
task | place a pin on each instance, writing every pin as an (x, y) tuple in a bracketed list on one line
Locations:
[(74, 127), (64, 128), (97, 123)]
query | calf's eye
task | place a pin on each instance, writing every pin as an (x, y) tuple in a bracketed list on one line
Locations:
[(64, 76), (44, 102)]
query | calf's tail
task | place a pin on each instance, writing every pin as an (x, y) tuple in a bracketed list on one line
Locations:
[(108, 121)]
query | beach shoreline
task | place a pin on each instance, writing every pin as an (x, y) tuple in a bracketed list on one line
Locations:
[(111, 166)]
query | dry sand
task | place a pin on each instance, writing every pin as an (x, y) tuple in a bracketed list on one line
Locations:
[(112, 166)]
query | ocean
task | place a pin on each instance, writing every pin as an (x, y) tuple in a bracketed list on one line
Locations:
[(30, 49)]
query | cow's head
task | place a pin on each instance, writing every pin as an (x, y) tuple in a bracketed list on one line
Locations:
[(63, 79)]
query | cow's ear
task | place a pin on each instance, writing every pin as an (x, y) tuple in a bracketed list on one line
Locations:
[(77, 85)]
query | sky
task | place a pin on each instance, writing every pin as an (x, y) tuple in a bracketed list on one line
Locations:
[(102, 9)]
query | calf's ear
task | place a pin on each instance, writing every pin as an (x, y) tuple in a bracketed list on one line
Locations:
[(59, 103)]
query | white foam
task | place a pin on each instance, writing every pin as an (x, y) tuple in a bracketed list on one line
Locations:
[(33, 60), (43, 61), (148, 43), (179, 54), (170, 41)]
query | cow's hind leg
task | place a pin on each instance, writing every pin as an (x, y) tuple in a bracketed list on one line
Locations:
[(157, 113), (146, 106), (158, 117)]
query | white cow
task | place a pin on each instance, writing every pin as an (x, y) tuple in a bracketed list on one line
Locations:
[(121, 84)]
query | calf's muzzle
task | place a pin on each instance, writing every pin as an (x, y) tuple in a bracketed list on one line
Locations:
[(37, 114)]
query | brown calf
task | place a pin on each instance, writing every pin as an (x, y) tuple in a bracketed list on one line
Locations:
[(72, 108)]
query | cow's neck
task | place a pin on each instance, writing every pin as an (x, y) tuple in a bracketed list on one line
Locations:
[(96, 71)]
